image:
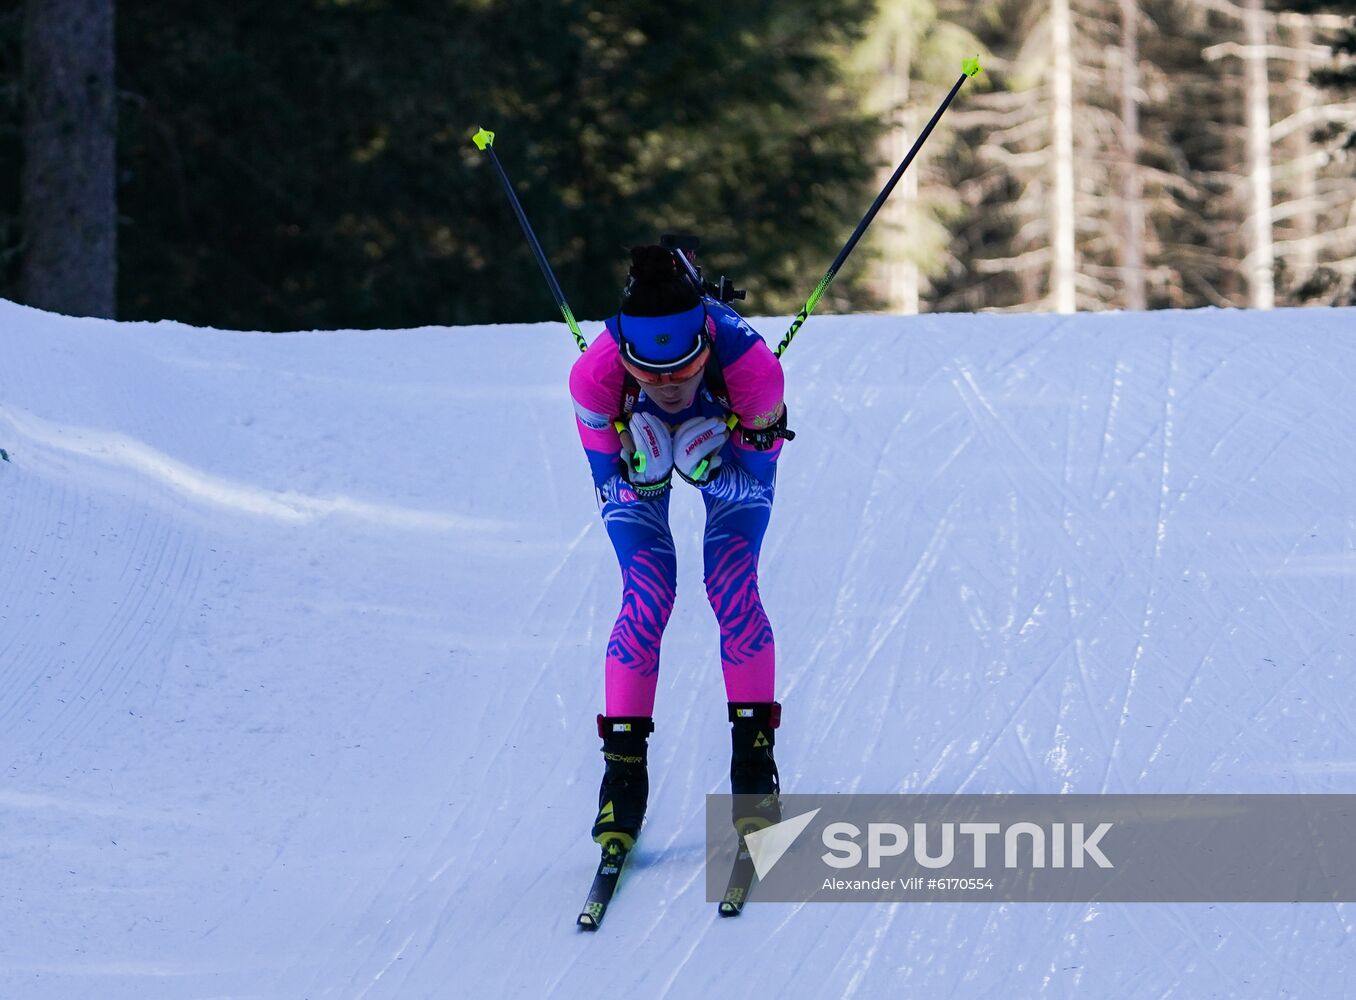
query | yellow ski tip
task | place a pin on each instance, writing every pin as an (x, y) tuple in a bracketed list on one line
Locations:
[(971, 67), (483, 138)]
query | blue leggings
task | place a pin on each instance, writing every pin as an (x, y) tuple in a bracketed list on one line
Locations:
[(640, 533)]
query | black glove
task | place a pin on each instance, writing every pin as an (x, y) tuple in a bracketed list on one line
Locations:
[(648, 491), (763, 438)]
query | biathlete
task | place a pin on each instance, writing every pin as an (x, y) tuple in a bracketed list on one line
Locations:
[(679, 383)]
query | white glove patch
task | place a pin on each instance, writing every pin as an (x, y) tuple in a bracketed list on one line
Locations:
[(699, 441), (651, 458)]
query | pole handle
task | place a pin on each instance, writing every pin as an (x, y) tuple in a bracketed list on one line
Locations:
[(484, 140)]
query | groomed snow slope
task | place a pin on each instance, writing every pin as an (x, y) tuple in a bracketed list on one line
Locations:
[(301, 642)]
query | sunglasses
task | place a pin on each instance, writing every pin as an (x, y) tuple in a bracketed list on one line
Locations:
[(671, 377)]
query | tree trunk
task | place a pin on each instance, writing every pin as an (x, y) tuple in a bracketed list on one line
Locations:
[(69, 210), (1064, 267), (1261, 253), (1132, 185), (1305, 192), (899, 274)]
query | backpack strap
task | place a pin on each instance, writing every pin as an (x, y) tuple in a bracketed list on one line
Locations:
[(713, 377), (630, 395)]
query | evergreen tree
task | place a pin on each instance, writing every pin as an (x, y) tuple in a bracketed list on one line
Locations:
[(908, 61), (11, 114), (1337, 32), (1028, 142), (1321, 129), (308, 165), (68, 209)]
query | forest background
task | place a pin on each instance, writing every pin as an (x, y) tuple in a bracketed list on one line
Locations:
[(308, 165)]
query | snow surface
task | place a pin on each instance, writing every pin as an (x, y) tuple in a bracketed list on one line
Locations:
[(301, 641)]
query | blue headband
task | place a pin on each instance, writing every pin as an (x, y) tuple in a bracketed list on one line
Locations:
[(660, 343)]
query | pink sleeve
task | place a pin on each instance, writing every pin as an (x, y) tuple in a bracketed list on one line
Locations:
[(595, 389), (756, 383)]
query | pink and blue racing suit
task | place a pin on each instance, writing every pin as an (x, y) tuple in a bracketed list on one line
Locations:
[(738, 501)]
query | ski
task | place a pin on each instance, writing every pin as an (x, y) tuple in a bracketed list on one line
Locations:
[(741, 881), (604, 885)]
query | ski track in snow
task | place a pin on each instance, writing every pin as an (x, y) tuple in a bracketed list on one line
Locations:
[(301, 641)]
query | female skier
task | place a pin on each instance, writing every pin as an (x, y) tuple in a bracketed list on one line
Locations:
[(679, 382)]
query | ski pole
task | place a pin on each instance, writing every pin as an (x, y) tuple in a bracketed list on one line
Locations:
[(484, 140), (969, 67)]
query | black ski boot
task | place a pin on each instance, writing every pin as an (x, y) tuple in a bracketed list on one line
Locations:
[(753, 773), (626, 780)]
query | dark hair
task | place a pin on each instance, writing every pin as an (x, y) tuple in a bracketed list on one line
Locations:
[(657, 284)]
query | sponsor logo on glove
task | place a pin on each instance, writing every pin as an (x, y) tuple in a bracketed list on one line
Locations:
[(698, 443)]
